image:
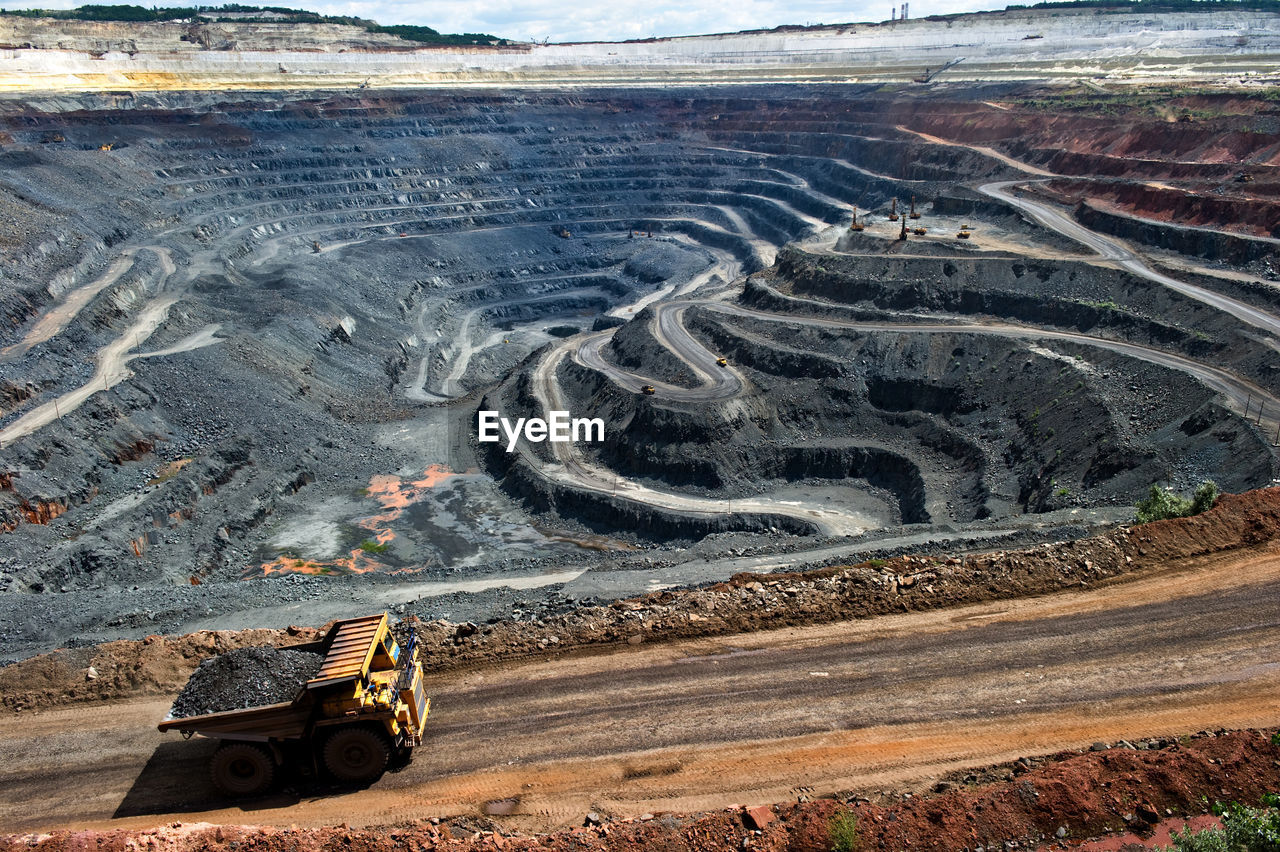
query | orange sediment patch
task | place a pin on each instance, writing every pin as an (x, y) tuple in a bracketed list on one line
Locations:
[(394, 495), (293, 565), (169, 471), (394, 492)]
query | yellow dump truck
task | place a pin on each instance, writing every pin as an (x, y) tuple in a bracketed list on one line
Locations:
[(365, 706)]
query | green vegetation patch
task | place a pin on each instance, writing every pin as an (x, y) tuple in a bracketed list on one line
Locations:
[(236, 13), (844, 832), (1161, 504), (1244, 829)]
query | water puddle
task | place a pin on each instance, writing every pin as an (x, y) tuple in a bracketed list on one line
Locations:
[(1159, 836)]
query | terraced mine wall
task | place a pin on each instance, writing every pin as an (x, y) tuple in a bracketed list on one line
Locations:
[(630, 519), (635, 346), (1095, 300), (519, 475), (1010, 45), (1180, 207), (282, 217), (1197, 242), (305, 295), (1054, 452), (689, 448), (994, 286), (915, 417)]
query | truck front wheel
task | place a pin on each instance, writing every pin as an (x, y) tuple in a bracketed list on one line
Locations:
[(356, 755), (242, 769)]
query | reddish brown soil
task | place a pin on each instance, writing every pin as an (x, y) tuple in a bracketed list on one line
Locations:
[(159, 665), (1087, 794), (1249, 215), (1160, 836), (1201, 141), (1231, 133)]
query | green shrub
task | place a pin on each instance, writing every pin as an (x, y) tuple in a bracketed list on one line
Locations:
[(1204, 497), (1244, 829), (1161, 505), (1209, 840), (844, 832), (371, 546)]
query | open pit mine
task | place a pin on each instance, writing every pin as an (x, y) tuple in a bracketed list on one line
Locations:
[(876, 334)]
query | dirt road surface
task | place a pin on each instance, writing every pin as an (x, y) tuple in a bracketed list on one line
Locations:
[(53, 321), (1113, 250), (892, 701)]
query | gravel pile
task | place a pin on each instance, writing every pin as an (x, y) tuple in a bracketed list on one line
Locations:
[(245, 677)]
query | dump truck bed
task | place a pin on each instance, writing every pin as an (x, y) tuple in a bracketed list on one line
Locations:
[(284, 721), (349, 649)]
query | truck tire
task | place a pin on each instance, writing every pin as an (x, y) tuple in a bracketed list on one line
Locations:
[(242, 769), (356, 755)]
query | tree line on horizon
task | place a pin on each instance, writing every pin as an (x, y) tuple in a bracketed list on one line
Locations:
[(270, 14), (427, 35)]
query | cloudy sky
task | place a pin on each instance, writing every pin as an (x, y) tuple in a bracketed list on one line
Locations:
[(605, 20), (614, 20)]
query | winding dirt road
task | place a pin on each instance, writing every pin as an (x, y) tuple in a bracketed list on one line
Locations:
[(570, 468), (1235, 389), (111, 361), (720, 383), (752, 718), (726, 383), (53, 321), (891, 701), (1107, 248), (1113, 250)]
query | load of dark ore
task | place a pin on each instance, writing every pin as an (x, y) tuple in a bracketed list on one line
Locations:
[(243, 678)]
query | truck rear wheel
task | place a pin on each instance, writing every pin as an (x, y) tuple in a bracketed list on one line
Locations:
[(356, 755), (242, 769)]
